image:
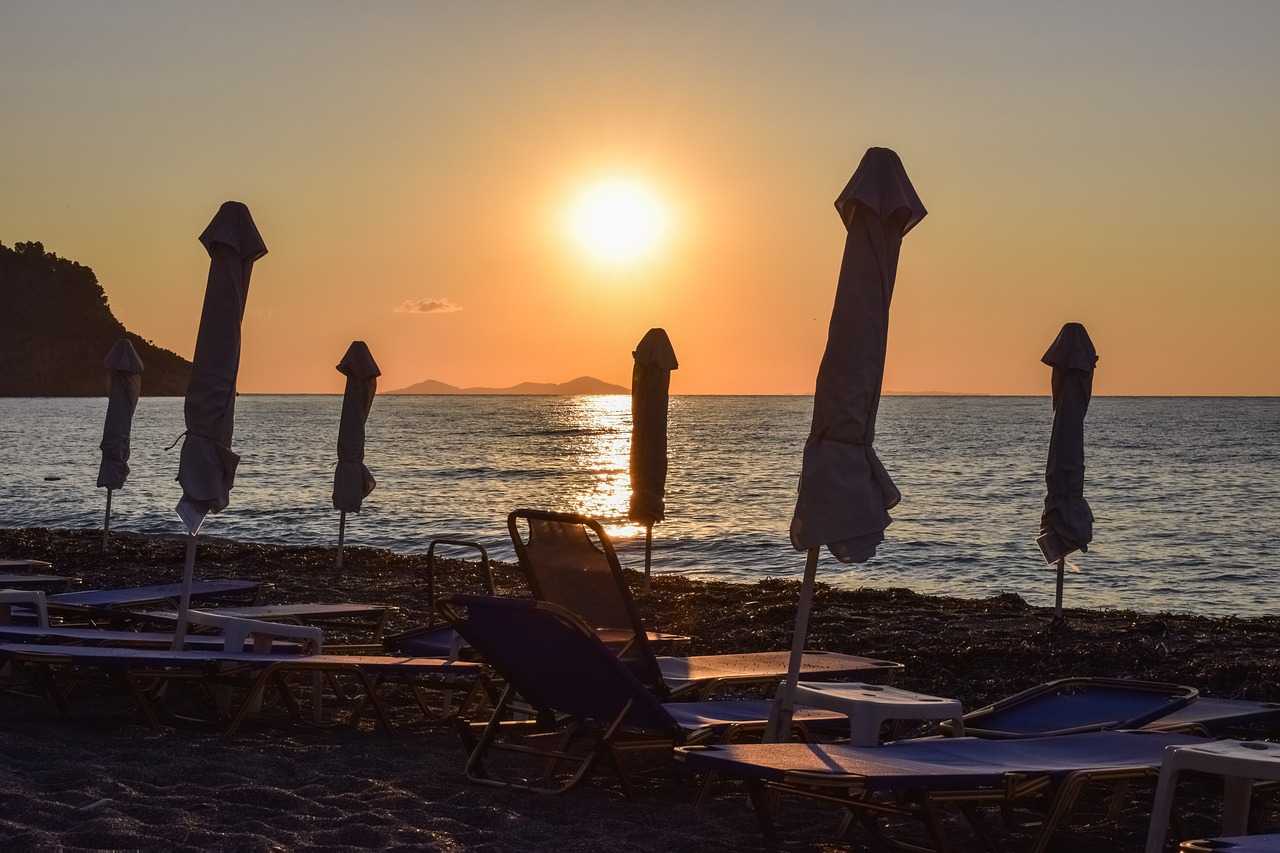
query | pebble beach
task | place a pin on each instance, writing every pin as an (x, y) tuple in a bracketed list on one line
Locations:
[(99, 779)]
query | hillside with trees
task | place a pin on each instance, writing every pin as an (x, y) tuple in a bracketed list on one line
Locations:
[(56, 328)]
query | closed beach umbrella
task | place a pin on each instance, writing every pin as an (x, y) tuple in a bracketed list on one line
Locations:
[(650, 389), (1067, 522), (845, 493), (352, 481), (125, 369), (207, 466)]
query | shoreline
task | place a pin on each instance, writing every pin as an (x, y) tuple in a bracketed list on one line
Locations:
[(99, 779)]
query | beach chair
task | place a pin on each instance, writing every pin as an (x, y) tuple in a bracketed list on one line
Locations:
[(570, 562), (438, 638), (915, 778), (569, 701), (1073, 705)]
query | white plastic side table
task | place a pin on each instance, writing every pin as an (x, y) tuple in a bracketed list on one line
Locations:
[(869, 705), (1239, 762)]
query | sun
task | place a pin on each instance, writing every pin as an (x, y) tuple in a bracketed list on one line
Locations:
[(618, 221)]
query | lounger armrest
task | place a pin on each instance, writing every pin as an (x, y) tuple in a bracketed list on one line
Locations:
[(236, 631), (33, 597)]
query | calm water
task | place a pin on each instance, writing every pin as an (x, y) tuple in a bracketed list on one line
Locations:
[(1185, 490)]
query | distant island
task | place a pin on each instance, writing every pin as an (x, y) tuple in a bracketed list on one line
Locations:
[(56, 328), (581, 385)]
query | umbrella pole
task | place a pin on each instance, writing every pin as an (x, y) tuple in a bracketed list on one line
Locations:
[(184, 600), (106, 523), (1062, 562), (648, 554), (784, 703), (342, 533)]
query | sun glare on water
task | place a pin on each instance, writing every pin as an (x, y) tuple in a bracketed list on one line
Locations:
[(618, 221)]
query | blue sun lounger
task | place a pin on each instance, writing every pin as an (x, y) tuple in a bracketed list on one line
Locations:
[(110, 607), (1073, 705), (1214, 717), (569, 683), (226, 590), (125, 639), (912, 778), (1238, 844)]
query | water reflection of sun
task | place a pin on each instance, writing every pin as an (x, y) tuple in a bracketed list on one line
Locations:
[(602, 449)]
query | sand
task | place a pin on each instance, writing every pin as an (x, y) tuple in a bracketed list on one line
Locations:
[(99, 780)]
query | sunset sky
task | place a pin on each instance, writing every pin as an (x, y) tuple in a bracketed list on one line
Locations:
[(418, 172)]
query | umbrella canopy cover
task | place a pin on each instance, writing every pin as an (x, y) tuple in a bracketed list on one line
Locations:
[(845, 492), (352, 481), (1067, 522), (125, 370), (207, 466), (650, 389)]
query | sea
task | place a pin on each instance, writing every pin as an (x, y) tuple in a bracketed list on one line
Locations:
[(1185, 491)]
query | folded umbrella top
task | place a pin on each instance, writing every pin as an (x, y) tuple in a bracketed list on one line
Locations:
[(880, 184), (845, 492)]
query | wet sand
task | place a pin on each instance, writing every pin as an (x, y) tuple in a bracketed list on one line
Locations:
[(100, 780)]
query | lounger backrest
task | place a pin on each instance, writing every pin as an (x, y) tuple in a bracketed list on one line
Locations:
[(554, 660), (569, 561)]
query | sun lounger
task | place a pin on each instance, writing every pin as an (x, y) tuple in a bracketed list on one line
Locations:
[(914, 777), (10, 564), (47, 583), (362, 625), (1072, 705), (110, 607), (213, 669), (574, 691), (126, 639), (1239, 844), (229, 591), (570, 562), (1214, 717)]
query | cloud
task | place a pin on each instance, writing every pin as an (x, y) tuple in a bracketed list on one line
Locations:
[(427, 306)]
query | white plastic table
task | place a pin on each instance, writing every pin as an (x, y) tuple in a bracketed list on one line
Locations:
[(1239, 762), (869, 705)]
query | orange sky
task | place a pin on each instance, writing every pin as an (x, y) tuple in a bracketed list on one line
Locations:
[(1110, 164)]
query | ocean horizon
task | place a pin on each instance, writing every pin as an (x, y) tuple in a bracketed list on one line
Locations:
[(1181, 487)]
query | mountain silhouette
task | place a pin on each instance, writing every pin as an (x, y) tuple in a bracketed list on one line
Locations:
[(581, 385)]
